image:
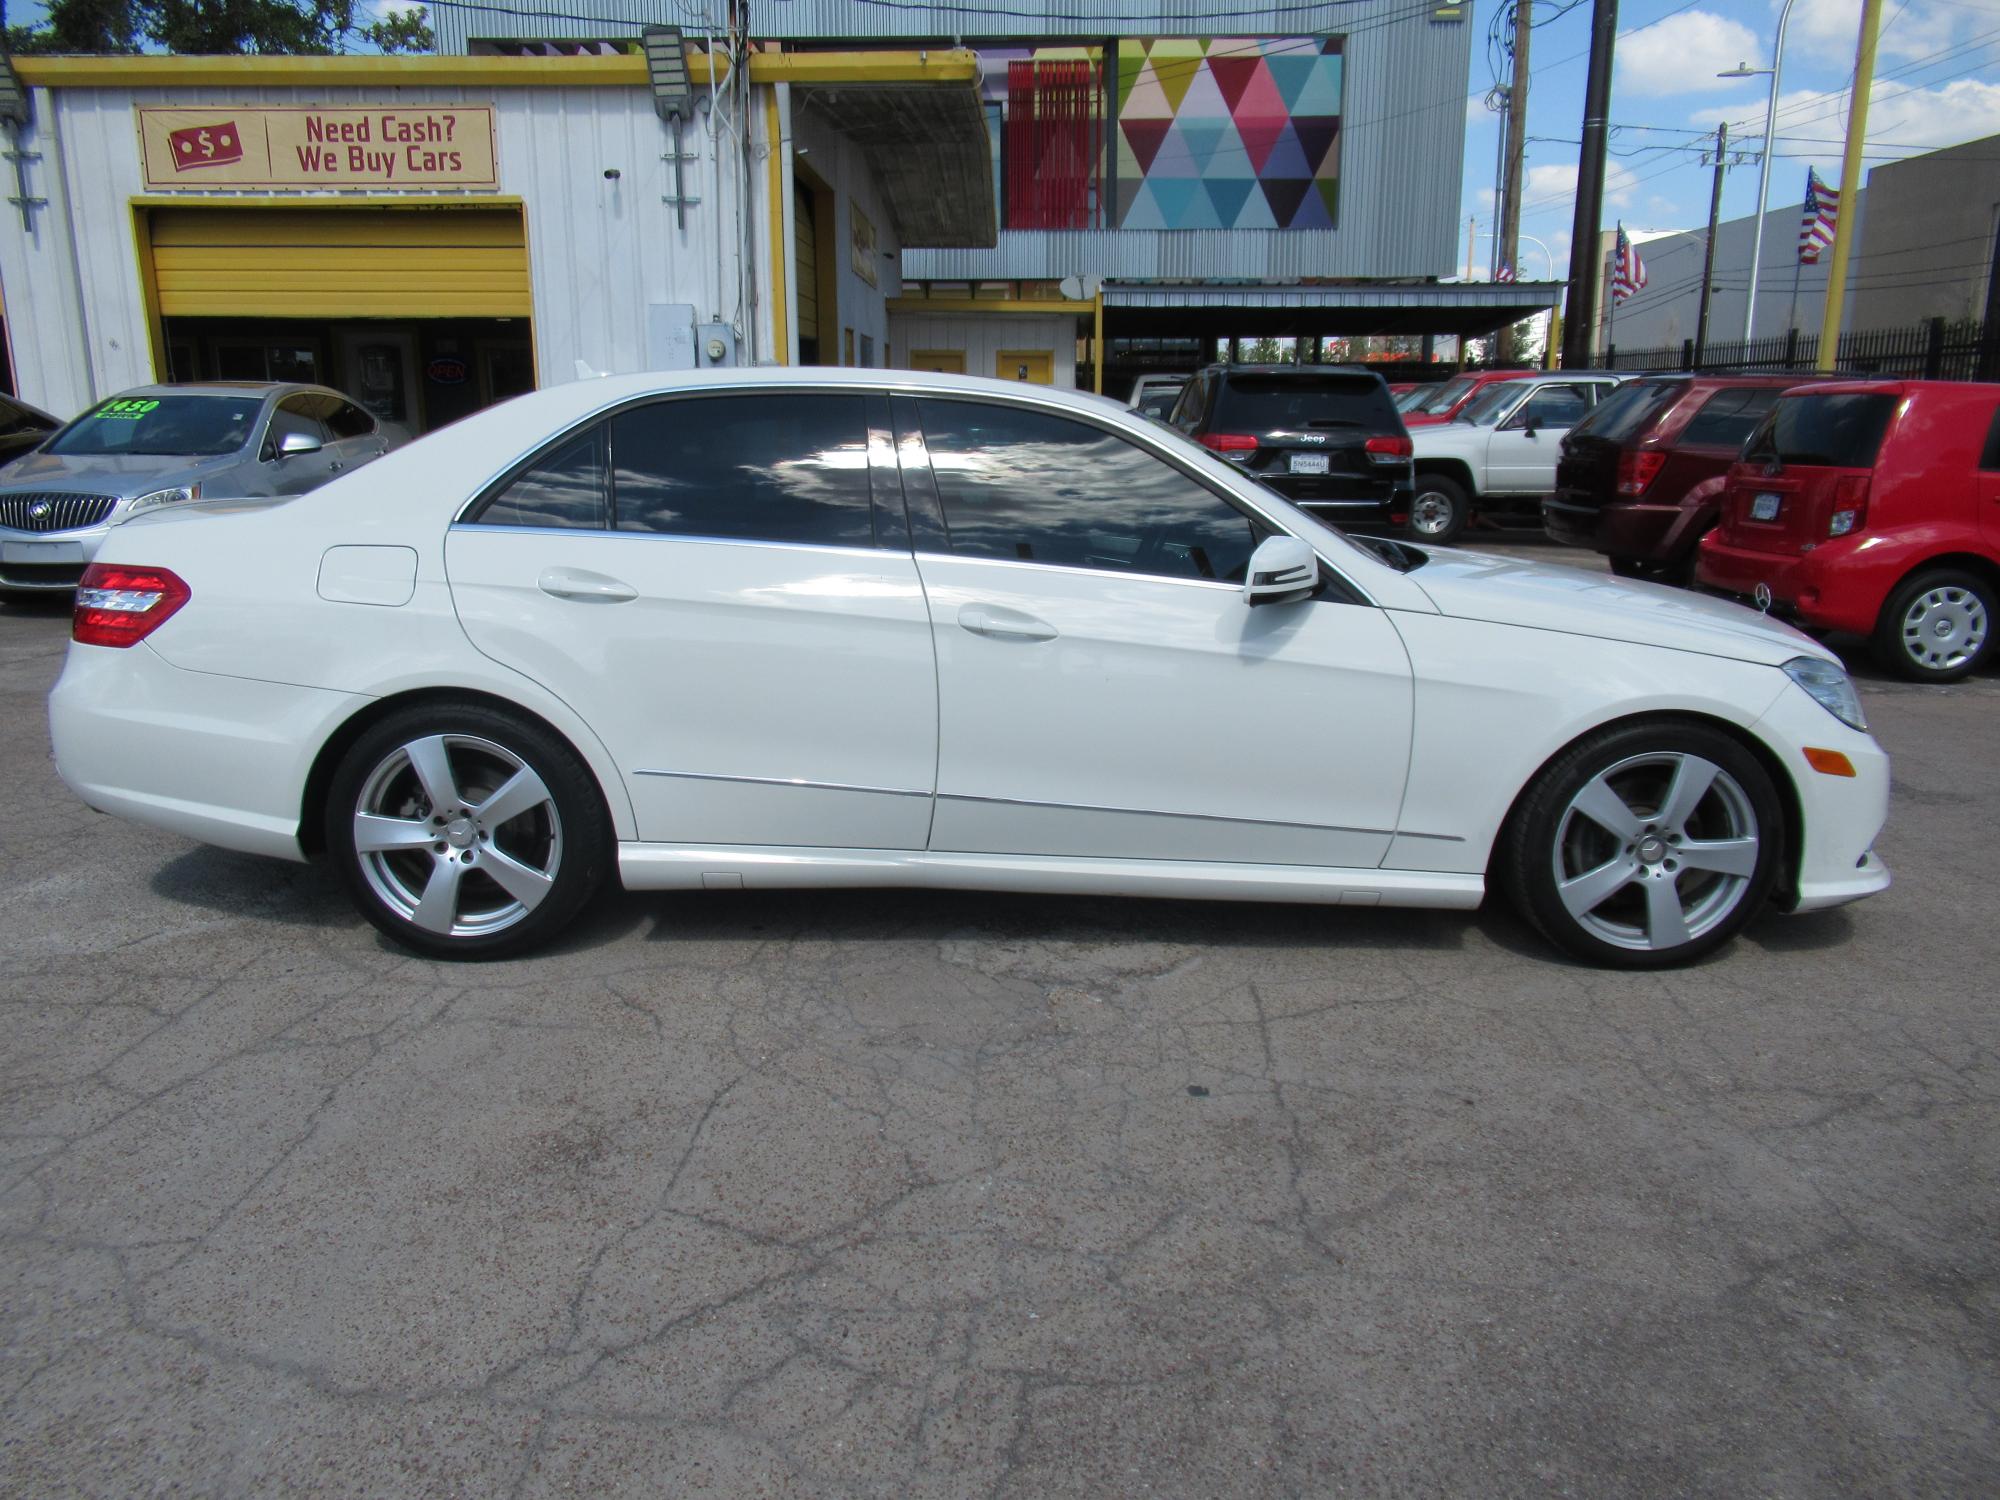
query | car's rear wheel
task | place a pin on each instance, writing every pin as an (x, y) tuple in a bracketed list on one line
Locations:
[(1937, 627), (464, 831), (1645, 845), (1439, 509)]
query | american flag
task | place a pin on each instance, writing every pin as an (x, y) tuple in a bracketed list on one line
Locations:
[(1628, 272), (1822, 215), (1505, 273)]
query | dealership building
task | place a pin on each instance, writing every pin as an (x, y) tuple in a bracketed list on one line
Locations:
[(861, 185)]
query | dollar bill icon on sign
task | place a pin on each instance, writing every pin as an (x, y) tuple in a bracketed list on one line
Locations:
[(206, 146)]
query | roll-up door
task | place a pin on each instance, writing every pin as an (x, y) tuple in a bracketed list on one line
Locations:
[(805, 264), (340, 263)]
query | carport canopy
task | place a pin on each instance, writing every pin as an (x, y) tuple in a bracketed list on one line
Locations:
[(1467, 309)]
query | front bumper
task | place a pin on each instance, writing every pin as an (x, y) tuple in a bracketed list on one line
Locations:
[(220, 759), (32, 561), (1840, 817)]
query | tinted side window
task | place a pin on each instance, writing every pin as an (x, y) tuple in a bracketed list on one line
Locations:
[(1031, 487), (1552, 406), (348, 421), (1990, 459), (1625, 410), (1824, 431), (565, 489), (1188, 410), (294, 414), (1728, 417), (763, 468)]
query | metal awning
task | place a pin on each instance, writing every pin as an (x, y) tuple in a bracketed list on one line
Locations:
[(928, 152), (1469, 309)]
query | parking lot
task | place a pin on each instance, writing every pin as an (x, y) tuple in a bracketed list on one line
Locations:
[(894, 1194)]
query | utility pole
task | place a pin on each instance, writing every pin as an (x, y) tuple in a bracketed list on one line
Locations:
[(1471, 239), (1507, 247), (1850, 185), (1584, 267), (1708, 255)]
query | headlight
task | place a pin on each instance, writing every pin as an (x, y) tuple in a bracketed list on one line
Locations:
[(175, 496), (1831, 687)]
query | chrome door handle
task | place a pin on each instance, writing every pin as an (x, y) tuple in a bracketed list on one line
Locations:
[(1004, 624), (583, 587)]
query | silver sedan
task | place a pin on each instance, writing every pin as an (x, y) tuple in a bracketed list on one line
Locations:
[(163, 445)]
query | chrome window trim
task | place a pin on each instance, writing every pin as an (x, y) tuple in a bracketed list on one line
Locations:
[(1073, 569), (841, 549)]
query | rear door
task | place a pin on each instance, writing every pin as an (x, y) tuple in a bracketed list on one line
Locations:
[(1521, 459), (709, 581), (1814, 451), (356, 438)]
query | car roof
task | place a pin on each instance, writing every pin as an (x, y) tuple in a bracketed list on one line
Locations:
[(1221, 368), (225, 388)]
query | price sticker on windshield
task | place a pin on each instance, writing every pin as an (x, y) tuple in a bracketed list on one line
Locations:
[(1765, 507), (126, 409)]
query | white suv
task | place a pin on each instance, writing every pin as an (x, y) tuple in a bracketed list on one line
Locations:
[(1502, 449)]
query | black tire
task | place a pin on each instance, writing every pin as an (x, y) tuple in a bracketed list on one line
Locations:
[(1439, 509), (1937, 626), (1638, 763), (551, 842)]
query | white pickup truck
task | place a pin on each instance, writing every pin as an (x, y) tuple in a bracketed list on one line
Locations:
[(1501, 450)]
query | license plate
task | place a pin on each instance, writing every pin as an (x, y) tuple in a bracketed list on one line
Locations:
[(41, 552), (1765, 507), (1309, 463)]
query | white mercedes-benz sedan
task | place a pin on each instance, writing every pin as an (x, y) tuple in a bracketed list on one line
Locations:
[(785, 627)]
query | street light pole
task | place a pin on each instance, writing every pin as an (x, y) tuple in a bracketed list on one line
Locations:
[(1776, 70)]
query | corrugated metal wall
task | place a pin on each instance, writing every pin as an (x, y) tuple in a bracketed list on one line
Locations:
[(980, 340)]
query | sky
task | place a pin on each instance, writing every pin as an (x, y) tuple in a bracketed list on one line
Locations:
[(1937, 83)]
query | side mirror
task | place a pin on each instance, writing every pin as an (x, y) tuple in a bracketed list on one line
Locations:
[(294, 443), (1282, 570)]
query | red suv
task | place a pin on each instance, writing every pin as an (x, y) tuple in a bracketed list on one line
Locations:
[(1873, 508), (1451, 398), (1641, 477)]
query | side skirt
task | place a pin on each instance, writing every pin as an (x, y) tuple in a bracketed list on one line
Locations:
[(683, 867)]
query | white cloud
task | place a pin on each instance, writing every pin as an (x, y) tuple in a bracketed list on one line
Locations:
[(1550, 187), (1683, 53), (1902, 121), (1830, 29)]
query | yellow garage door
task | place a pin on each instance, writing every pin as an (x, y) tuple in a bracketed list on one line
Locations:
[(340, 263)]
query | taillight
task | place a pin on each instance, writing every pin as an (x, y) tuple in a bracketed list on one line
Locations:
[(1637, 468), (120, 605), (1234, 446), (1389, 450), (1850, 505)]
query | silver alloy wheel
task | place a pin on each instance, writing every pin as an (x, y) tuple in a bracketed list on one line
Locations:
[(457, 835), (1944, 627), (1656, 850), (1430, 513)]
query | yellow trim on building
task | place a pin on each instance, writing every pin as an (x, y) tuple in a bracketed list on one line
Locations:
[(781, 249), (623, 71), (921, 305)]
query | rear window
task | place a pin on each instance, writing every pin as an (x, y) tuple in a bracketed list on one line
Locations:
[(1728, 417), (1270, 403), (1823, 432), (1630, 409)]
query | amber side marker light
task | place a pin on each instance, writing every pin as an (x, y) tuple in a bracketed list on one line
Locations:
[(1829, 762)]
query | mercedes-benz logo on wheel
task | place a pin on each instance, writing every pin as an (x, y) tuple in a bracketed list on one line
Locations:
[(1762, 594), (39, 510)]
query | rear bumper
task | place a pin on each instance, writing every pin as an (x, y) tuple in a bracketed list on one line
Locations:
[(219, 759), (1634, 529), (1799, 582), (36, 561)]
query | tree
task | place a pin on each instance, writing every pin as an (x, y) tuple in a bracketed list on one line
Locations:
[(224, 27)]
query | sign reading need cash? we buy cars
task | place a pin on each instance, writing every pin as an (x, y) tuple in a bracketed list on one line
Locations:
[(294, 146)]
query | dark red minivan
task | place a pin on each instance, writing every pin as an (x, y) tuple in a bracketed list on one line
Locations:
[(1873, 508), (1641, 478)]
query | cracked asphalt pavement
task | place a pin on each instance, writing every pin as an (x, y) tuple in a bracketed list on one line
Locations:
[(888, 1194)]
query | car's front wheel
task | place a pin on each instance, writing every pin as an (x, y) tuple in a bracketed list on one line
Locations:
[(1937, 627), (1439, 509), (464, 831), (1646, 844)]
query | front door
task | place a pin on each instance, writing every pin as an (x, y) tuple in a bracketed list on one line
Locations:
[(1521, 458), (378, 367), (1033, 366), (705, 580), (1103, 688)]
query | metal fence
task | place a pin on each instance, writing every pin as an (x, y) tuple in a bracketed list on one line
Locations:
[(1932, 350)]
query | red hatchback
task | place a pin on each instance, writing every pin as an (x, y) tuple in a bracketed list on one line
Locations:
[(1456, 394), (1873, 508)]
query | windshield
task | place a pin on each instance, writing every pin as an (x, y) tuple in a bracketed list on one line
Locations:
[(1443, 397), (1629, 409), (1484, 409), (191, 426), (1823, 432), (1412, 400)]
